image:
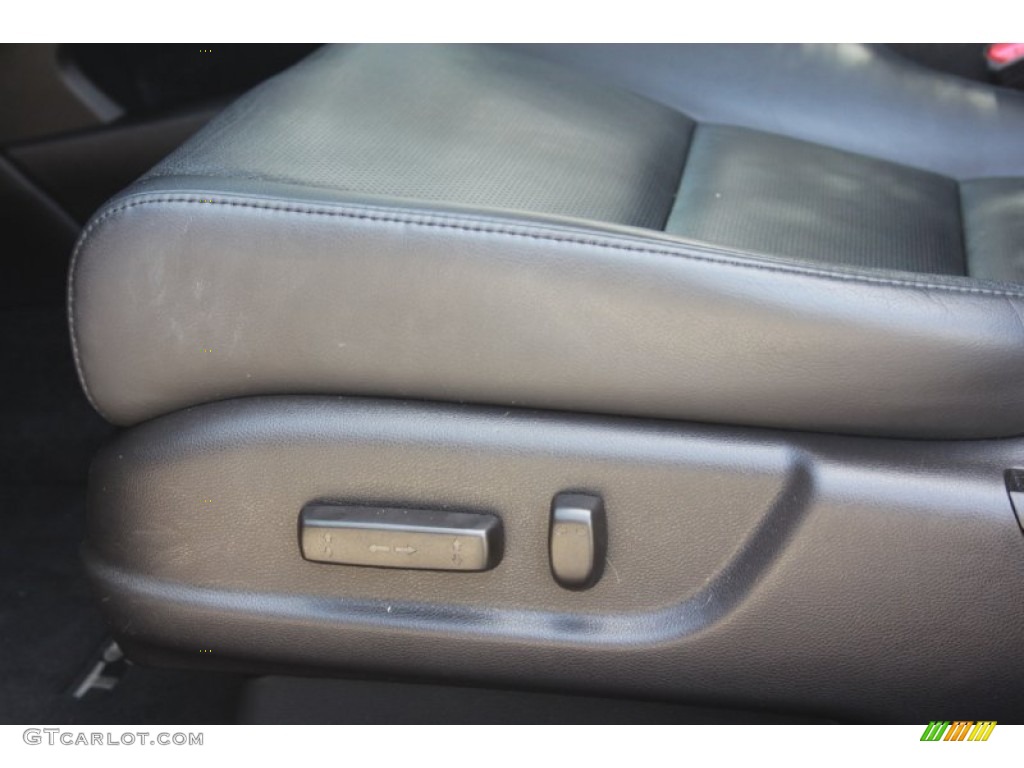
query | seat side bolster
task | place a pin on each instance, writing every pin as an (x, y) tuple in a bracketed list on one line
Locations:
[(183, 298)]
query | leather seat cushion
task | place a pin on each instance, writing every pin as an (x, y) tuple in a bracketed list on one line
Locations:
[(478, 224)]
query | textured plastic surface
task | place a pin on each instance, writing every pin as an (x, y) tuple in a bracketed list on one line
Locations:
[(785, 571)]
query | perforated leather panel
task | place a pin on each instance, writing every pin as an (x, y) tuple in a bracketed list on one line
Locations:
[(993, 211), (792, 199)]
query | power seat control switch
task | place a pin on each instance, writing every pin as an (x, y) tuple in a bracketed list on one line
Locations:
[(578, 539), (390, 537)]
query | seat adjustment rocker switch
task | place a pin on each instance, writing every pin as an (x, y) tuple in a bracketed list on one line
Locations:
[(391, 537), (578, 539)]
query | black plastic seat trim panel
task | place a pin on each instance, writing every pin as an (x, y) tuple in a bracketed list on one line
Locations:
[(745, 567)]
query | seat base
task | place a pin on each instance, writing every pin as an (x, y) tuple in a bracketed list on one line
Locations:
[(745, 567)]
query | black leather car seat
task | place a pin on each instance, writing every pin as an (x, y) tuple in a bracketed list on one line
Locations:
[(473, 224), (815, 238)]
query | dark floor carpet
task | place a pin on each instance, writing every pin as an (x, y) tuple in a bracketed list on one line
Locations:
[(50, 630), (48, 432)]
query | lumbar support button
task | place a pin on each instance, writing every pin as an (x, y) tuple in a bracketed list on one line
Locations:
[(389, 537), (578, 539)]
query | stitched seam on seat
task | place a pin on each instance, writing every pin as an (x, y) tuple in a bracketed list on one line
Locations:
[(453, 223), (461, 225), (71, 312)]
